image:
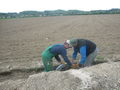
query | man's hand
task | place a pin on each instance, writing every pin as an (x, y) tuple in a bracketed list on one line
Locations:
[(73, 61), (74, 66), (62, 62), (81, 65)]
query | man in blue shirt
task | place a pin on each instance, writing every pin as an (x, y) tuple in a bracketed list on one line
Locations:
[(87, 50), (54, 51)]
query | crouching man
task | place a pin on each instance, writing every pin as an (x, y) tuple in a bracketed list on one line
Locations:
[(55, 51), (87, 50)]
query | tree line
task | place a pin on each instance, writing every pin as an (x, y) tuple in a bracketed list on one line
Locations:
[(24, 14)]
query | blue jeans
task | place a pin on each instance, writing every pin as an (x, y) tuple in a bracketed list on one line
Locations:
[(90, 58)]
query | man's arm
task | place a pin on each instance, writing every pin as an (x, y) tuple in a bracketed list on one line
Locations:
[(83, 55), (57, 58), (64, 56), (74, 55)]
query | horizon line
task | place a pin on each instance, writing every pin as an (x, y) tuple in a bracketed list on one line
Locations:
[(60, 9)]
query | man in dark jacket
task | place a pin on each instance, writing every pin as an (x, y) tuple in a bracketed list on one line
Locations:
[(54, 51), (87, 50)]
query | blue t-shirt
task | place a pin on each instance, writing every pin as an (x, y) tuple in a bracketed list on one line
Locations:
[(59, 49), (82, 51)]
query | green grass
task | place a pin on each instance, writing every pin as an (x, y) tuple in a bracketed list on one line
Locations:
[(99, 57)]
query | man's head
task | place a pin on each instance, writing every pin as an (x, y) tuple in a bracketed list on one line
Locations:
[(73, 42), (67, 44)]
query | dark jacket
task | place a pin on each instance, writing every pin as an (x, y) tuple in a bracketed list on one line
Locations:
[(90, 46), (59, 49)]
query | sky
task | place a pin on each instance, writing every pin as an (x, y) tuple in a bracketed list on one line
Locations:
[(41, 5)]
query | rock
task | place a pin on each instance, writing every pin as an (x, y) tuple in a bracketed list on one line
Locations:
[(116, 57), (98, 77), (9, 67), (46, 38)]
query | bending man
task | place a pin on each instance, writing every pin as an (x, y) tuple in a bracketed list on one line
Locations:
[(87, 50), (55, 51)]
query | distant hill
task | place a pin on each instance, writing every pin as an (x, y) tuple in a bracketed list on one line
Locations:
[(24, 14)]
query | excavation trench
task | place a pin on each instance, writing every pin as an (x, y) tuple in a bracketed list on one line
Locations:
[(19, 73), (16, 74)]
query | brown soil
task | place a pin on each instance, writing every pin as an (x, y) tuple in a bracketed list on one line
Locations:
[(22, 40)]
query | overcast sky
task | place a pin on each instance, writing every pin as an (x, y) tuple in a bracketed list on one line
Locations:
[(41, 5)]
